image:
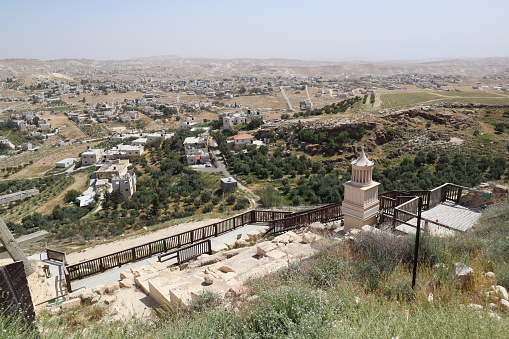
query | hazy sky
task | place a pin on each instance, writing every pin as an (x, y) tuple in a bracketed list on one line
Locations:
[(320, 30)]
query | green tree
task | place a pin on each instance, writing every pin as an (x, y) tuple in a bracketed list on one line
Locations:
[(269, 197), (71, 196)]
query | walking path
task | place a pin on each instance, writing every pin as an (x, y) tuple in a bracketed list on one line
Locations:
[(458, 217), (114, 274)]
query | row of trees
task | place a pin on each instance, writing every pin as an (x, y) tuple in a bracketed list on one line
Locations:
[(335, 108), (16, 185), (427, 170)]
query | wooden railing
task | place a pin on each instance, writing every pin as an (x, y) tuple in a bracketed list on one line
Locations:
[(187, 253), (55, 255), (301, 219), (409, 210), (117, 259), (400, 207), (430, 198)]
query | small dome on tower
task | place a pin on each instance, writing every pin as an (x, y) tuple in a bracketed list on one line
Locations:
[(363, 160)]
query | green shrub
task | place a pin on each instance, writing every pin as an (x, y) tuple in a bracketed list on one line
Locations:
[(290, 312), (205, 301)]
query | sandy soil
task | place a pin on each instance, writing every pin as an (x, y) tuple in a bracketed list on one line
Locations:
[(45, 159), (60, 120), (119, 245), (41, 288)]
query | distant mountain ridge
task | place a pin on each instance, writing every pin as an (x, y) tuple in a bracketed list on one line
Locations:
[(210, 67)]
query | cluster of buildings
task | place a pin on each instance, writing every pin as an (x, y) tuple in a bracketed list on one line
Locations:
[(426, 81), (230, 120), (30, 121)]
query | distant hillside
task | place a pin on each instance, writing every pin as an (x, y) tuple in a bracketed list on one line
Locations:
[(208, 67)]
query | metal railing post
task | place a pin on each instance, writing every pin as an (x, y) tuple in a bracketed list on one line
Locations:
[(416, 248)]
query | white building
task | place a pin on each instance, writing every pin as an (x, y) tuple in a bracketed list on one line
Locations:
[(65, 163), (242, 140), (92, 156), (125, 183), (153, 137), (230, 120), (123, 152), (197, 150)]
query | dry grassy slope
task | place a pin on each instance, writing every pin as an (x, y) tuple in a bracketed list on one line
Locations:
[(81, 180), (44, 159)]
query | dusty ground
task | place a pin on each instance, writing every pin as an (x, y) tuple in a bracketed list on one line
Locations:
[(59, 120), (44, 159)]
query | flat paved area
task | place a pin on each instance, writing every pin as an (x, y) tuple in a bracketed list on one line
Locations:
[(114, 274), (447, 213)]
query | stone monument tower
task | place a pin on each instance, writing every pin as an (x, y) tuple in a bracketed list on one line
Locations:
[(360, 204)]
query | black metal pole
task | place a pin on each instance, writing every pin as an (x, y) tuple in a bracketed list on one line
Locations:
[(417, 236)]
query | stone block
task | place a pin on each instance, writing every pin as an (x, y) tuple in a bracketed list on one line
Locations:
[(71, 304), (500, 292), (261, 230), (87, 294), (264, 247), (208, 279), (490, 275), (368, 229), (308, 237), (101, 289), (74, 295), (126, 283), (505, 304), (226, 269), (241, 243), (158, 266), (275, 254), (293, 237), (55, 310), (230, 244), (462, 272), (229, 276), (498, 189), (109, 299), (219, 248), (298, 250), (253, 235), (111, 287), (180, 296), (126, 274)]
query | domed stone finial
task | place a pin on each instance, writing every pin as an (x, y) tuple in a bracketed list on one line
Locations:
[(363, 160)]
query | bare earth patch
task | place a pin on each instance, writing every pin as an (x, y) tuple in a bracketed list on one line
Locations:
[(456, 141)]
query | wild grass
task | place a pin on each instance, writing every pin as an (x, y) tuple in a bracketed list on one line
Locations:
[(359, 288)]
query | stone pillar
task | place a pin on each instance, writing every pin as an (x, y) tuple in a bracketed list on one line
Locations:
[(360, 205)]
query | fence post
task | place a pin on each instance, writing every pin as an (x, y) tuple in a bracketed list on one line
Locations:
[(215, 229), (458, 198), (67, 279), (134, 253), (416, 248)]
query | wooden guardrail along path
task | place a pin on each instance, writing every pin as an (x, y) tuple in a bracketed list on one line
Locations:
[(301, 219), (401, 206), (117, 259)]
